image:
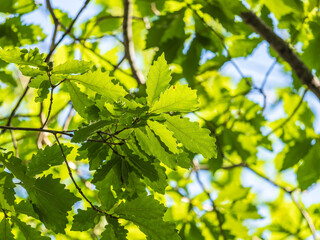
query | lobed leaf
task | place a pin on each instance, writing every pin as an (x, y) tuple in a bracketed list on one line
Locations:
[(158, 79), (100, 82), (178, 98), (192, 136)]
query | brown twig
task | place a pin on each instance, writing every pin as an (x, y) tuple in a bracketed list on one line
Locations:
[(17, 105), (67, 31), (75, 183), (68, 119), (128, 43), (55, 30), (68, 133), (50, 104), (15, 145)]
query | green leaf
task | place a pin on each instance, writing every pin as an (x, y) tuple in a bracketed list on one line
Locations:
[(7, 78), (309, 172), (158, 79), (164, 134), (43, 91), (30, 71), (44, 159), (25, 207), (178, 98), (114, 231), (110, 186), (72, 66), (192, 136), (80, 100), (51, 202), (154, 175), (100, 82), (5, 230), (7, 193), (109, 234), (139, 161), (28, 232), (85, 219), (23, 57), (150, 144), (84, 133), (15, 166), (295, 153), (147, 214)]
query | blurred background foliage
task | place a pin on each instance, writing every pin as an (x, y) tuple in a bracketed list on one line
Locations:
[(263, 183)]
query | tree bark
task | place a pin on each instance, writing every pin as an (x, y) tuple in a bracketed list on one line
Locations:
[(284, 51)]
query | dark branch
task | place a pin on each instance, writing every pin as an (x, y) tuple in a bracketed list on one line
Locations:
[(17, 106), (284, 51), (75, 183), (67, 31), (68, 133)]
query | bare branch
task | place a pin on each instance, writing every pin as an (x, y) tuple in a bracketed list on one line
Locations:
[(75, 183), (218, 213), (50, 106), (306, 216), (128, 43), (14, 141), (284, 51), (291, 115), (55, 30), (68, 119), (17, 105), (67, 31), (68, 133)]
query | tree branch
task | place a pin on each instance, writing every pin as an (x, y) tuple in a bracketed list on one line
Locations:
[(67, 31), (306, 216), (75, 183), (291, 115), (128, 43), (17, 105), (68, 133), (284, 51), (218, 213)]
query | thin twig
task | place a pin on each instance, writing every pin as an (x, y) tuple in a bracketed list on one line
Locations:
[(17, 105), (68, 133), (21, 116), (74, 182), (266, 76), (219, 216), (128, 43), (115, 67), (15, 145), (68, 30), (68, 119), (286, 189), (109, 145), (50, 106), (306, 216), (43, 130), (55, 30), (291, 115)]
